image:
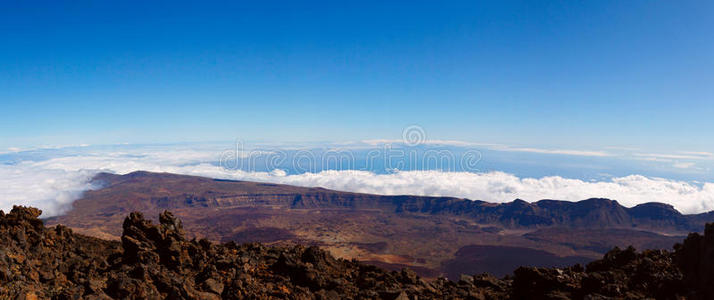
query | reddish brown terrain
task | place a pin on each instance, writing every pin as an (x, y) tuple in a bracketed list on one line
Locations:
[(157, 261), (431, 235)]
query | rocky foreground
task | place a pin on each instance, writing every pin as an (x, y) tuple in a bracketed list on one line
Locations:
[(158, 262)]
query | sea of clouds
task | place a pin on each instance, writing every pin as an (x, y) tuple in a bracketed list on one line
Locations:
[(52, 180)]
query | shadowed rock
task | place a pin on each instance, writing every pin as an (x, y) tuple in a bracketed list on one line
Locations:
[(156, 261)]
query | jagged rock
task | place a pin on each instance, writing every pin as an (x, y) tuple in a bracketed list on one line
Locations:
[(155, 261), (213, 286), (41, 263), (695, 257)]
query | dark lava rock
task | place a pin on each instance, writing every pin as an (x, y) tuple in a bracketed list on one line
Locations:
[(156, 261), (695, 257), (40, 263)]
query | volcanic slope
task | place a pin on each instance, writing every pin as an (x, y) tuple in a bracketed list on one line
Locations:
[(432, 235)]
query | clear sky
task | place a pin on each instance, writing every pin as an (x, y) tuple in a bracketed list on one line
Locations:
[(575, 74)]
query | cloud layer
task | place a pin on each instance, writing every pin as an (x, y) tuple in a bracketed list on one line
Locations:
[(52, 183), (502, 187)]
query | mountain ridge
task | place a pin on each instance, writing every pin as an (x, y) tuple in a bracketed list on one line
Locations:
[(546, 212), (421, 232)]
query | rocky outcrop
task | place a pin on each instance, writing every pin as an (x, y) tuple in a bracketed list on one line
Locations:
[(39, 262), (621, 274), (156, 261), (695, 257)]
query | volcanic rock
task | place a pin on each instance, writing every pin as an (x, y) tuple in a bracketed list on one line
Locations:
[(157, 261)]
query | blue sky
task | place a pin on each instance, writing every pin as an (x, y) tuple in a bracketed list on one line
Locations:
[(556, 74)]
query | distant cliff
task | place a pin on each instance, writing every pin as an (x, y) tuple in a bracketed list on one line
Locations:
[(428, 234), (190, 191)]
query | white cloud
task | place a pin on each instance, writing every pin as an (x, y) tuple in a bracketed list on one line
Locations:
[(622, 148), (682, 155), (503, 187), (52, 184), (429, 142), (557, 151), (496, 147), (699, 153), (52, 190), (683, 165)]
